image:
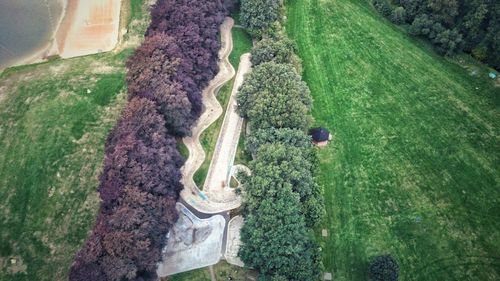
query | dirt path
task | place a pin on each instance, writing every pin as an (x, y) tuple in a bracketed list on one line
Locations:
[(215, 199)]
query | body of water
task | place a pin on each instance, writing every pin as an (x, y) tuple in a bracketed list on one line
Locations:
[(25, 27)]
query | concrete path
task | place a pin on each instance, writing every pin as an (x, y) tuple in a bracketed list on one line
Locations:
[(219, 173), (234, 241), (216, 197)]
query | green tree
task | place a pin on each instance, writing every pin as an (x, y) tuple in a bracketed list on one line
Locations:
[(382, 7), (452, 25), (448, 41), (258, 15), (274, 95), (278, 51), (444, 11), (275, 240), (398, 15), (277, 166), (289, 137)]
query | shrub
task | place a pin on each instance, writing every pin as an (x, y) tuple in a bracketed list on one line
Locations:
[(384, 268), (480, 53)]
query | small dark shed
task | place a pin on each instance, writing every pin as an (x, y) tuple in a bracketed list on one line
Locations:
[(320, 136)]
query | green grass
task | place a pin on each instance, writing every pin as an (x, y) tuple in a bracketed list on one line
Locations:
[(416, 137), (222, 271), (54, 120), (242, 43), (182, 148), (136, 11), (243, 157)]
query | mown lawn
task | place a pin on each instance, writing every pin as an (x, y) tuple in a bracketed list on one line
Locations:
[(414, 167), (54, 119), (242, 43)]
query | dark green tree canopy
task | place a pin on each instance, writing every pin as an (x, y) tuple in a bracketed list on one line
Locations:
[(280, 199), (275, 239), (274, 95), (258, 15), (286, 136), (451, 25), (278, 51), (277, 166), (384, 268)]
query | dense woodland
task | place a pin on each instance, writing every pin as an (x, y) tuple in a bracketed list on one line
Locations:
[(281, 199), (140, 183), (451, 25)]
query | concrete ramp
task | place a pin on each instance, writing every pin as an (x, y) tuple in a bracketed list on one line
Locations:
[(192, 243)]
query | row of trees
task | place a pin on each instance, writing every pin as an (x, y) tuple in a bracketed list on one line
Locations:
[(177, 59), (140, 182), (281, 199), (139, 187), (451, 25)]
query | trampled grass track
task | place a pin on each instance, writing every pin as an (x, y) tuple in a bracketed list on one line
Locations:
[(414, 169)]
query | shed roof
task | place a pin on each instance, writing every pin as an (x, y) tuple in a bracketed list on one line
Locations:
[(319, 134)]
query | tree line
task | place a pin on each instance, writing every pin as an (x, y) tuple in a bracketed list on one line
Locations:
[(451, 26), (140, 182), (281, 200)]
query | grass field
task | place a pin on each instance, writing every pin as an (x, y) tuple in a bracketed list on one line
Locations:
[(222, 271), (242, 43), (54, 119), (414, 168)]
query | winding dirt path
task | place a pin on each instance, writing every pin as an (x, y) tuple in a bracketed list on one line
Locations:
[(222, 198)]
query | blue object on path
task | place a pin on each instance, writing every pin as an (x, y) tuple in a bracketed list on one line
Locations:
[(203, 196), (492, 75)]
